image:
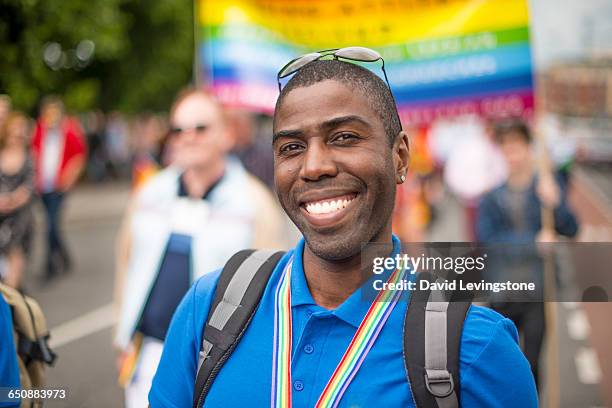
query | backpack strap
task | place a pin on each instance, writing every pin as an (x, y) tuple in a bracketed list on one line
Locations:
[(432, 338), (238, 293), (30, 326)]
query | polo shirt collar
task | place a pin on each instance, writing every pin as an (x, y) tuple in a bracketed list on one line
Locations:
[(300, 293), (353, 309)]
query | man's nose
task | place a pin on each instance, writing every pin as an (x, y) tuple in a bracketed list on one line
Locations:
[(189, 135), (318, 162)]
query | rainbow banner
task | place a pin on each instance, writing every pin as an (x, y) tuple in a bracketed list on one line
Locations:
[(443, 57)]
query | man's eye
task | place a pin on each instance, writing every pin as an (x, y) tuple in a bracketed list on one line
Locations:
[(290, 147), (344, 137)]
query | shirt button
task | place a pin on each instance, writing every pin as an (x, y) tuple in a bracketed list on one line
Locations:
[(298, 385), (308, 349)]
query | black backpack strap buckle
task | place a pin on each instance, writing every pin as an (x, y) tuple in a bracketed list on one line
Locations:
[(440, 384)]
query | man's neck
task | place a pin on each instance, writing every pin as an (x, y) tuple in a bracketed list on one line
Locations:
[(521, 179), (198, 180), (332, 282)]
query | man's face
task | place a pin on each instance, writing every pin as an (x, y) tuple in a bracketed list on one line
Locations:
[(199, 139), (516, 151), (335, 172), (52, 115)]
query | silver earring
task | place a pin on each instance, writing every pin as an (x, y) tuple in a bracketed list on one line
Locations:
[(402, 178)]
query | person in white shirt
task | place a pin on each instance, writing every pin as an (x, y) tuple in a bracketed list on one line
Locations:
[(185, 220)]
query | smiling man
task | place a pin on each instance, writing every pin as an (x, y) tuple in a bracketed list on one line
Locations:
[(313, 339)]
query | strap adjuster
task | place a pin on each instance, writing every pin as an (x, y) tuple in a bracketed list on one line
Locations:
[(440, 387), (35, 350)]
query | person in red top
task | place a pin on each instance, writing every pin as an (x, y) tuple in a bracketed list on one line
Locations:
[(59, 152)]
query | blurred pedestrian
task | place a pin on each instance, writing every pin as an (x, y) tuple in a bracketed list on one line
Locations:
[(116, 142), (182, 222), (97, 156), (511, 215), (474, 164), (59, 152), (16, 186)]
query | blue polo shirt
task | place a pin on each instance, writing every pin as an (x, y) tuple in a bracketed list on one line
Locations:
[(9, 370), (493, 370)]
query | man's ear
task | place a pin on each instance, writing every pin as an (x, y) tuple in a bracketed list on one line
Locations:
[(401, 154)]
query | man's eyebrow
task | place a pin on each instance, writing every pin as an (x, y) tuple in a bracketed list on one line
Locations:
[(286, 133), (335, 122), (328, 124)]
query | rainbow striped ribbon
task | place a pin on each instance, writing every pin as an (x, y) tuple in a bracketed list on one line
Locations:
[(281, 357), (353, 357)]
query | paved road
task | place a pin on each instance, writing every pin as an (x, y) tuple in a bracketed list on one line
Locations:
[(85, 364), (77, 307)]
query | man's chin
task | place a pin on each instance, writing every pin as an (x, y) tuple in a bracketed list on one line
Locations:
[(332, 247), (332, 243)]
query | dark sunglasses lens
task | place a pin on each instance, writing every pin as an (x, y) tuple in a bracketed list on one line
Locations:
[(201, 128), (358, 53), (298, 63)]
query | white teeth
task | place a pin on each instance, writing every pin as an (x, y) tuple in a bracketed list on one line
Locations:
[(326, 207)]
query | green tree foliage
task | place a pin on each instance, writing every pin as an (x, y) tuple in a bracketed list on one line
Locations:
[(143, 52)]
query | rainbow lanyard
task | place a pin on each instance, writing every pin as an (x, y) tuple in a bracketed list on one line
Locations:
[(353, 357)]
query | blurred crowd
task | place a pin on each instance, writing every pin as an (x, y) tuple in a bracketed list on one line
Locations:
[(514, 195), (462, 157), (39, 158), (202, 181), (43, 157)]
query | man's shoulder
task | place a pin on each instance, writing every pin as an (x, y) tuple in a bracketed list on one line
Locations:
[(258, 186), (162, 184), (495, 191), (205, 285), (481, 322), (482, 327), (492, 365)]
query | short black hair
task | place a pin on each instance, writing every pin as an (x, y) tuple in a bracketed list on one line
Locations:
[(515, 126), (355, 76)]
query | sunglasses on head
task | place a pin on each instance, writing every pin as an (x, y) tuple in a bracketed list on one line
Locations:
[(358, 54), (199, 129)]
